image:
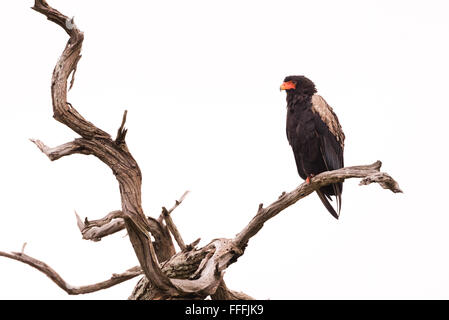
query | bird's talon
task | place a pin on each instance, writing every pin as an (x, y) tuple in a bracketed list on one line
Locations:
[(309, 179)]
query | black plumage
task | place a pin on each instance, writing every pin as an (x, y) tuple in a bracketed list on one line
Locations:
[(315, 135)]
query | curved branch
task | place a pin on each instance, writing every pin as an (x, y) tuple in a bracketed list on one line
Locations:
[(224, 293), (166, 215), (63, 111), (58, 152), (72, 290), (227, 251), (95, 230), (369, 173), (114, 222), (115, 154)]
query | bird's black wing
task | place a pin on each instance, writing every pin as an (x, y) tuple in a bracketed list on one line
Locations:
[(292, 137), (332, 144)]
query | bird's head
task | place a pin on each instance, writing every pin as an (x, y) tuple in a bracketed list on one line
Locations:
[(298, 85)]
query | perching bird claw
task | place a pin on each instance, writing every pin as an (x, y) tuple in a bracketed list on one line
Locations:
[(309, 178)]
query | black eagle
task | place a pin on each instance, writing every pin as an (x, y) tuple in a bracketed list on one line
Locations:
[(315, 136)]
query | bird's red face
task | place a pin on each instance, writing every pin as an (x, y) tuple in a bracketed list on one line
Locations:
[(288, 85)]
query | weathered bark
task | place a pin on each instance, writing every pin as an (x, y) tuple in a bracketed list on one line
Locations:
[(113, 153), (73, 290), (223, 293), (192, 273)]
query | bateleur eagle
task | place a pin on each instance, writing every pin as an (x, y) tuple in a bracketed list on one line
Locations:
[(315, 135)]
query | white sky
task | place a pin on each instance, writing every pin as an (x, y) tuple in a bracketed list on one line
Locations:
[(200, 80)]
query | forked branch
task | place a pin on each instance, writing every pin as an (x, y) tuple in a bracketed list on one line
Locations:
[(95, 230), (73, 290), (369, 173), (192, 272)]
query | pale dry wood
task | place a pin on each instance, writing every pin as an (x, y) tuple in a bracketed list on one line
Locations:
[(121, 132), (100, 144), (173, 229), (166, 214), (95, 230), (115, 279), (384, 180), (177, 203), (224, 293), (368, 173), (63, 150), (227, 251)]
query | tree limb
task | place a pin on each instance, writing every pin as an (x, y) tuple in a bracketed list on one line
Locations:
[(177, 203), (95, 230), (100, 144), (58, 152), (227, 251), (72, 290), (173, 229), (121, 132), (368, 173), (384, 180), (224, 293), (171, 225)]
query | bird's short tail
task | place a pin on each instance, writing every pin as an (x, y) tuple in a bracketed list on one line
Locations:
[(327, 204)]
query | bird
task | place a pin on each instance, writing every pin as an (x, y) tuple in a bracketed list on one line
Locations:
[(315, 136)]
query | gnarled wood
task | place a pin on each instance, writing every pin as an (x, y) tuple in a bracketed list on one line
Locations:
[(73, 290), (97, 142), (97, 229), (191, 273)]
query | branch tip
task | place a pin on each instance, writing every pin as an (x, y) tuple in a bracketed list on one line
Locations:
[(72, 290), (121, 132), (23, 248)]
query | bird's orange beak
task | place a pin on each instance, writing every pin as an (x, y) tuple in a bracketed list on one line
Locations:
[(288, 85)]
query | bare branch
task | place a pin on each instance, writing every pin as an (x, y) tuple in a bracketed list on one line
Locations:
[(166, 215), (212, 270), (370, 173), (224, 293), (173, 229), (121, 132), (384, 180), (23, 248), (66, 65), (192, 245), (148, 261), (227, 251), (177, 203), (63, 150), (100, 144), (95, 230), (72, 290)]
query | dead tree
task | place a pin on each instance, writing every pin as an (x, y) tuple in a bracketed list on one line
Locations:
[(192, 273)]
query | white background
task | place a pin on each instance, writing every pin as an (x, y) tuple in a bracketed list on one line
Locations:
[(200, 80)]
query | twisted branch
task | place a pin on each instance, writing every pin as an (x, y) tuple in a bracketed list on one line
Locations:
[(97, 142), (72, 290), (369, 173), (191, 273), (170, 224), (95, 230)]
